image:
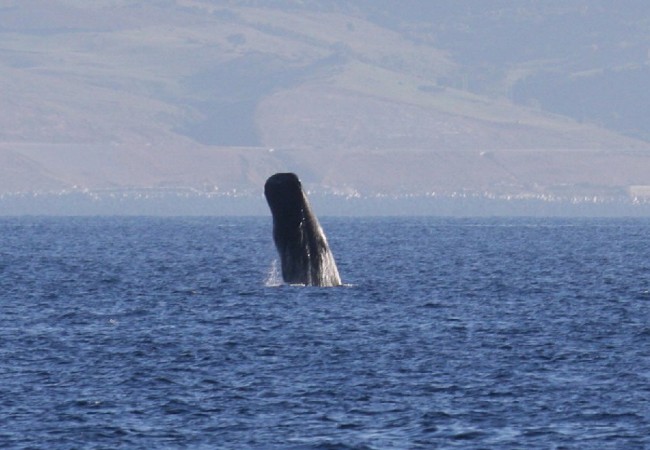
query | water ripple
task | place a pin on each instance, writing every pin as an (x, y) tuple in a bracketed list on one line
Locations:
[(166, 333)]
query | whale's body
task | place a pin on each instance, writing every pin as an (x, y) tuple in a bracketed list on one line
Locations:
[(302, 246)]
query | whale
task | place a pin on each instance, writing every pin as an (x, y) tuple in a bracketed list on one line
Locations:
[(305, 256)]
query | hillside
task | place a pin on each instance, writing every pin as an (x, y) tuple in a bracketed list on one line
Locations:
[(369, 99)]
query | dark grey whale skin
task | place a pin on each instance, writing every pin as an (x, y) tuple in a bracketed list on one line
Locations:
[(304, 253)]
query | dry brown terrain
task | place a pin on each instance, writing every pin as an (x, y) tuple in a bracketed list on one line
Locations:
[(187, 95)]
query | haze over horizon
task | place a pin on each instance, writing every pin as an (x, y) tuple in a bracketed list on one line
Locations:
[(187, 99)]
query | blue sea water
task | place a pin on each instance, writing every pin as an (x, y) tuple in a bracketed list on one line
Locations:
[(146, 333)]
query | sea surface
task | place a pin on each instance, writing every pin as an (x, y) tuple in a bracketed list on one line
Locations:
[(176, 333)]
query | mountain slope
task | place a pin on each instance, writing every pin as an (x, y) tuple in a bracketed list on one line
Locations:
[(216, 96)]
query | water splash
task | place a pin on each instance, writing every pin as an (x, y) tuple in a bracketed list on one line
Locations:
[(274, 277)]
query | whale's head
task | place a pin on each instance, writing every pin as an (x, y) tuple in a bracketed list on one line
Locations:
[(283, 192)]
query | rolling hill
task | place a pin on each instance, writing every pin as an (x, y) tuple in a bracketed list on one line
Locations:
[(363, 98)]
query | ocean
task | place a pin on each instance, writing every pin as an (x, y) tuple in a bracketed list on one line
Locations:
[(492, 333)]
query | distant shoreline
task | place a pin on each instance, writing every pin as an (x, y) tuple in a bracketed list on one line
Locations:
[(159, 202)]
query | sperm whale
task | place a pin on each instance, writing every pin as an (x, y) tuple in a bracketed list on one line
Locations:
[(301, 243)]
